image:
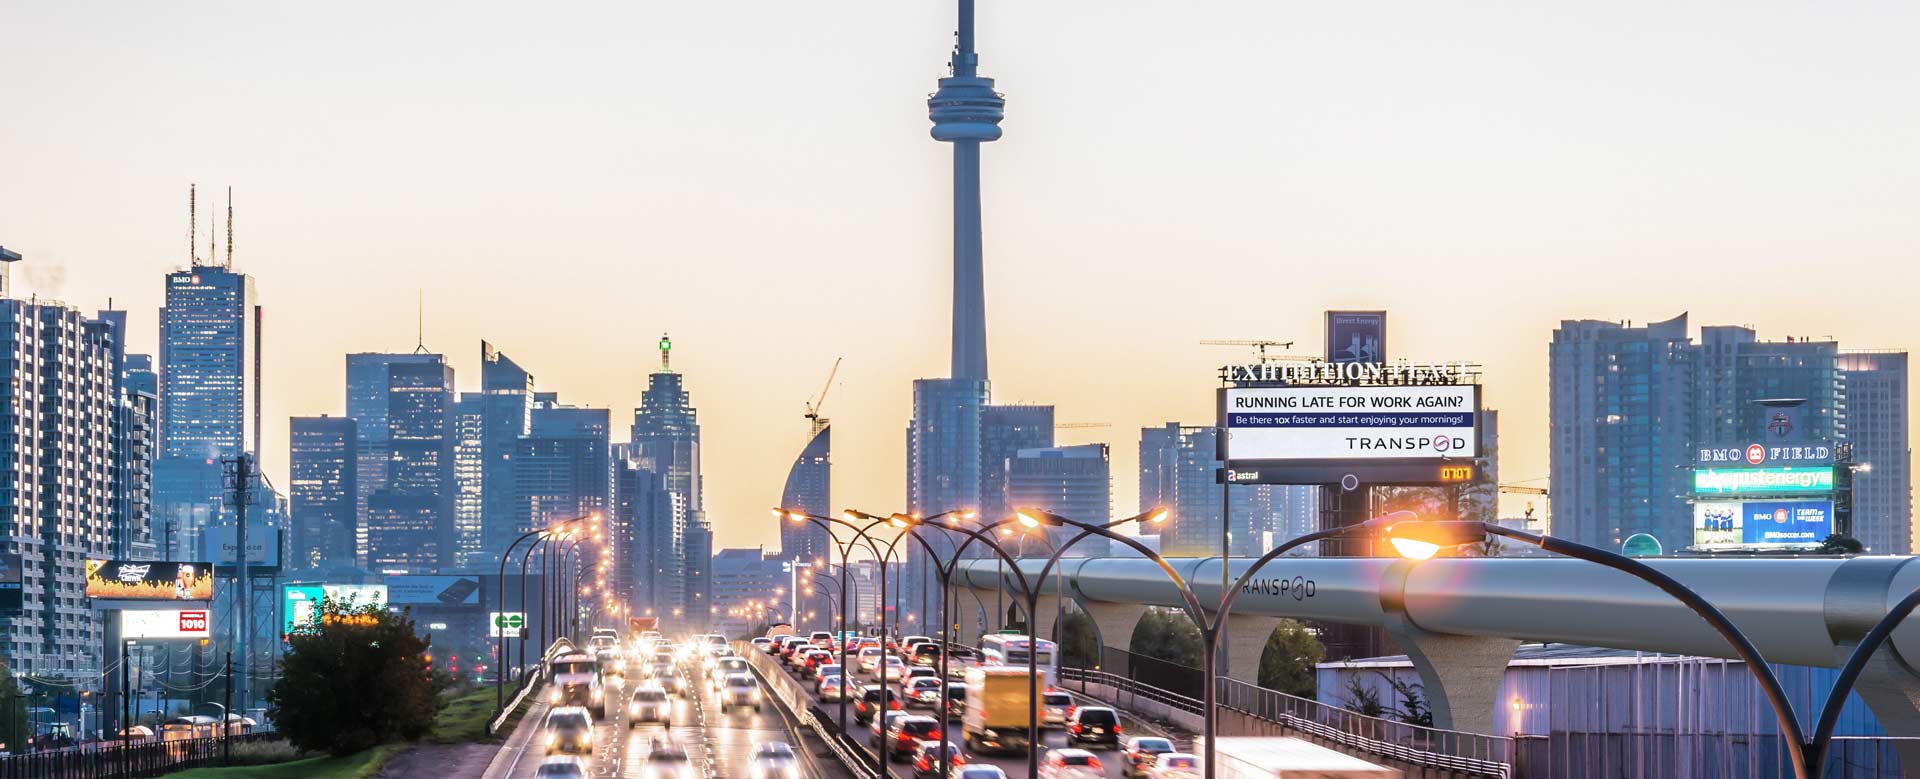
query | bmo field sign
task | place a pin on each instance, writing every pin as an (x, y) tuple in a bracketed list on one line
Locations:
[(1351, 424)]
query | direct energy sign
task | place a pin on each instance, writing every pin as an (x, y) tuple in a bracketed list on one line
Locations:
[(1351, 423), (1762, 481)]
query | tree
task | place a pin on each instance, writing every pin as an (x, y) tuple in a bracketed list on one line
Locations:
[(1413, 701), (1288, 663), (1362, 700), (1839, 544), (1079, 646), (358, 678), (1168, 635), (13, 730)]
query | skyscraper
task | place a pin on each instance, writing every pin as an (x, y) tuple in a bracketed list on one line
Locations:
[(560, 468), (1177, 465), (369, 385), (209, 395), (322, 463), (470, 550), (506, 415), (944, 458), (1622, 424), (1004, 431), (650, 522), (666, 441), (1072, 481), (1877, 427), (410, 518), (136, 420), (809, 489), (56, 495)]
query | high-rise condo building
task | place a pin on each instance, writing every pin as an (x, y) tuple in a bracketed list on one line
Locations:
[(1072, 481), (809, 489), (369, 386), (410, 518), (322, 463), (506, 414)]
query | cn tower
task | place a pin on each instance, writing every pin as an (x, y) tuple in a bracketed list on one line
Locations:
[(966, 112)]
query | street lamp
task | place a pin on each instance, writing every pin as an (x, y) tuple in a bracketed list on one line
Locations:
[(1423, 540), (500, 665), (845, 548)]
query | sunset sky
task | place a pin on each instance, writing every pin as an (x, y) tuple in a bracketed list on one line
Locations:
[(570, 180)]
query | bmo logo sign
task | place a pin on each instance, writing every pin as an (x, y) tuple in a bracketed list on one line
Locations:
[(1756, 454), (166, 624)]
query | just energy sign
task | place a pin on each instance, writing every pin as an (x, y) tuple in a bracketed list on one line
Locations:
[(1351, 423)]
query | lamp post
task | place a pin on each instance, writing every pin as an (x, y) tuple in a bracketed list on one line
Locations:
[(945, 574), (526, 623), (845, 548), (1417, 540), (1035, 519), (500, 646)]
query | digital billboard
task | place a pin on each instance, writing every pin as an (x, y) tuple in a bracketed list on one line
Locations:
[(358, 594), (433, 591), (1739, 524), (12, 582), (1356, 336), (166, 624), (1351, 423), (1787, 480), (148, 580), (263, 545), (299, 607)]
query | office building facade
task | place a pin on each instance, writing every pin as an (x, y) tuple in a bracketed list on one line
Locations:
[(1877, 421), (1072, 481), (323, 459), (506, 414), (809, 489), (410, 518)]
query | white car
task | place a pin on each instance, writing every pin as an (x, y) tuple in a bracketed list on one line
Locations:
[(923, 692), (562, 767), (774, 760), (739, 690), (667, 760), (979, 771), (869, 657), (832, 688), (1175, 765), (1070, 764), (893, 670)]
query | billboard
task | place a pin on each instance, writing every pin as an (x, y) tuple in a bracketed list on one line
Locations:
[(12, 582), (299, 607), (358, 594), (1788, 480), (508, 624), (433, 591), (1357, 336), (1739, 524), (148, 580), (263, 545), (167, 623), (1355, 423)]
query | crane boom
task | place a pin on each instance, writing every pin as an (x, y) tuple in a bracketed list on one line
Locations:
[(1259, 344), (820, 401)]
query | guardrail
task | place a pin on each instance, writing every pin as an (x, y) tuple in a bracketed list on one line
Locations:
[(529, 681), (1470, 753), (112, 760), (795, 700)]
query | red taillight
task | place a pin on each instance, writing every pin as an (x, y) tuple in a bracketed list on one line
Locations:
[(1094, 763), (1076, 727), (1116, 729)]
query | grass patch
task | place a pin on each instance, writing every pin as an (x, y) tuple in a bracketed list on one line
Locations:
[(464, 720), (359, 765)]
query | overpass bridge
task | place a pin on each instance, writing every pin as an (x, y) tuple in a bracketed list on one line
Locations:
[(1460, 619)]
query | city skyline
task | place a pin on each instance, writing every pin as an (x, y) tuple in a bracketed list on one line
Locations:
[(1725, 243)]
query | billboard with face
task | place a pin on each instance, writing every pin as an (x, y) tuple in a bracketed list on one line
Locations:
[(148, 580)]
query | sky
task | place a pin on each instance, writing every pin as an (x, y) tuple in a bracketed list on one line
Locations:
[(570, 180)]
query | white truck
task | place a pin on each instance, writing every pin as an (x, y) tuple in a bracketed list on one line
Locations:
[(998, 710), (1280, 757)]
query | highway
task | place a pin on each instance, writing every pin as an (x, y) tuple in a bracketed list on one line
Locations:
[(718, 745), (1110, 761)]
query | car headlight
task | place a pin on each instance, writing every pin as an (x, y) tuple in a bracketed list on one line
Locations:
[(587, 737), (756, 696), (553, 697), (633, 710), (553, 738)]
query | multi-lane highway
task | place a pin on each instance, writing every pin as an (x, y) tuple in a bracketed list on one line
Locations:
[(1110, 761), (717, 744)]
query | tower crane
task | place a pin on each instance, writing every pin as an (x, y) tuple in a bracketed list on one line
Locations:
[(820, 401), (1079, 425), (1259, 345)]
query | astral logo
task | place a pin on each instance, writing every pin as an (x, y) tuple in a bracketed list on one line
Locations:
[(1301, 588)]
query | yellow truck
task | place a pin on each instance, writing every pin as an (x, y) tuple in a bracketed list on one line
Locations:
[(997, 710)]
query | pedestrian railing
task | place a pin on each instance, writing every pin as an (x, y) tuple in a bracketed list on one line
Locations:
[(1469, 753), (114, 760)]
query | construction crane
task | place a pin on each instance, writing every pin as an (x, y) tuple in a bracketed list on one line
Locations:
[(1259, 345), (820, 401), (1519, 490), (1079, 425)]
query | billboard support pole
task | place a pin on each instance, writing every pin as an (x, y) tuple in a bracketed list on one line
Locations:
[(226, 723), (126, 708)]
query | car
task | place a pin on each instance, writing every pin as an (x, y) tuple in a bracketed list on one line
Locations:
[(739, 690), (821, 673), (1094, 725), (790, 648), (725, 667), (956, 701), (1055, 708), (959, 659), (774, 760), (923, 692), (1140, 753), (868, 702), (1175, 765), (1069, 764), (761, 643), (919, 672), (980, 771), (662, 665), (891, 669), (673, 683), (812, 660), (569, 729), (906, 645), (867, 658), (666, 759), (831, 688), (925, 653), (562, 767), (820, 638), (926, 761), (649, 704), (904, 734)]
